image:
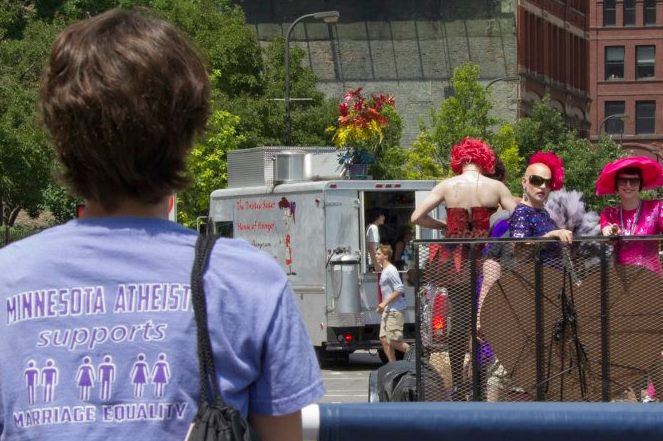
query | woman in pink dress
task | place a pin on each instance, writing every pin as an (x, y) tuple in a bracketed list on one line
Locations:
[(633, 216)]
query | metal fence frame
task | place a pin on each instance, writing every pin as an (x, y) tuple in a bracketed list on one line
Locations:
[(9, 235), (475, 246)]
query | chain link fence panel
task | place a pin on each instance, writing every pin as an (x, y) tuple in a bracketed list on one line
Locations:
[(532, 319)]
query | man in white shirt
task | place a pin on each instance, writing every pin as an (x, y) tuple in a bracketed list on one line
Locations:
[(376, 217)]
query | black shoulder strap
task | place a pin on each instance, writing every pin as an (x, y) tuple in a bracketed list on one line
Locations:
[(207, 371)]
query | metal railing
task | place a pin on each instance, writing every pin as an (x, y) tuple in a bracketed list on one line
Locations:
[(533, 320), (484, 421), (9, 235)]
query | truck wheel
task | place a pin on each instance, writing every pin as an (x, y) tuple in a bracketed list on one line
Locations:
[(329, 359)]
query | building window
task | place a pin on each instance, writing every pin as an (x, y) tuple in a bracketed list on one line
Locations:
[(614, 125), (645, 117), (645, 61), (609, 12), (629, 12), (614, 62), (649, 15)]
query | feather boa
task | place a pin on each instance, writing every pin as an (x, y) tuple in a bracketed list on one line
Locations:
[(567, 210)]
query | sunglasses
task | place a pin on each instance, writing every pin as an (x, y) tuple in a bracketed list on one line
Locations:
[(538, 181), (633, 182)]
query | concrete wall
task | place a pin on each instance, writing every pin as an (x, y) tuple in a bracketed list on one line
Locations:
[(404, 48)]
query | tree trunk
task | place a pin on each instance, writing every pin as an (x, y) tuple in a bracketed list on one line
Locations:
[(13, 214)]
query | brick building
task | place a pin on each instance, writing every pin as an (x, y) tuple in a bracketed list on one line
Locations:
[(525, 48), (552, 56), (626, 81)]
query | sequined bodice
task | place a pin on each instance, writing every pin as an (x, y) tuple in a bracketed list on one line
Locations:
[(475, 223)]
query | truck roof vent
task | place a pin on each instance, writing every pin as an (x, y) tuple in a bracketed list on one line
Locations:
[(289, 167)]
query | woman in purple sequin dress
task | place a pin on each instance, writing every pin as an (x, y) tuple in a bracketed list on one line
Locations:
[(544, 174)]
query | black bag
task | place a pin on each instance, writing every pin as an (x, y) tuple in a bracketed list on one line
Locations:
[(215, 420)]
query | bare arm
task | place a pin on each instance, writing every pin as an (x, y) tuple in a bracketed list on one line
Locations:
[(507, 200), (391, 298), (608, 227), (492, 271), (565, 236), (278, 428), (372, 248), (420, 214)]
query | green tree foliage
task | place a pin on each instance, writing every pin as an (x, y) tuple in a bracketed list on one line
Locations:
[(390, 156), (465, 113), (59, 201), (26, 159), (545, 130), (421, 159), (583, 162), (219, 31), (505, 146), (207, 166), (543, 127), (262, 115), (242, 80)]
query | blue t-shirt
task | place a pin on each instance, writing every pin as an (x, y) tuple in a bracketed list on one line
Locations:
[(97, 332)]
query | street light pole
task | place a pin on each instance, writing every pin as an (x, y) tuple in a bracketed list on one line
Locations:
[(326, 16), (511, 78), (621, 116), (449, 90)]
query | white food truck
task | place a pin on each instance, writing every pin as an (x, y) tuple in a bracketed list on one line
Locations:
[(296, 205)]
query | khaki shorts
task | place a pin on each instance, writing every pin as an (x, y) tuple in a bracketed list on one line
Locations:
[(391, 325)]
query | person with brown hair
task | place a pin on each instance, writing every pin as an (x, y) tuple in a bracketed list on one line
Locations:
[(123, 97), (392, 306)]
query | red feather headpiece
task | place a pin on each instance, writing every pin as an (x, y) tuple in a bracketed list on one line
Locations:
[(554, 163), (472, 151)]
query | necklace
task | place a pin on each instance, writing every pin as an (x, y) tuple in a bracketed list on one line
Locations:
[(634, 225)]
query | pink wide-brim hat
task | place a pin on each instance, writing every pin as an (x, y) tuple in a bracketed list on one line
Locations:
[(651, 171)]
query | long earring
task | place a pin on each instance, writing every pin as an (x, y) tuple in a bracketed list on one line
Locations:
[(525, 198)]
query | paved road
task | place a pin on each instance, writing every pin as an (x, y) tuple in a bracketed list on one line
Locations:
[(349, 383)]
